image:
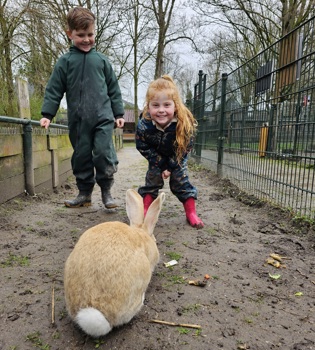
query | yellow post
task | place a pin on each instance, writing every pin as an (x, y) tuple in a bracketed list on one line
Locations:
[(262, 146)]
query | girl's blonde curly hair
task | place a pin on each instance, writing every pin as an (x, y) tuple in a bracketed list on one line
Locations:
[(186, 123)]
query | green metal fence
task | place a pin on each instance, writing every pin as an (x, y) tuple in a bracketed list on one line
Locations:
[(33, 159), (257, 124)]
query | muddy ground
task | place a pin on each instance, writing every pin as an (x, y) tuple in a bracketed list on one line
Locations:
[(246, 303)]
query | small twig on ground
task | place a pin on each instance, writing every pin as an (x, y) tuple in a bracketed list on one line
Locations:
[(53, 304), (177, 324), (291, 313), (301, 273)]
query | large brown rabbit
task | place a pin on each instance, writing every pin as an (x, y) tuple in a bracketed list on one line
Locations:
[(108, 271)]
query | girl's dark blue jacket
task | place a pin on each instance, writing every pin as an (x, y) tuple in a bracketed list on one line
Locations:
[(158, 147)]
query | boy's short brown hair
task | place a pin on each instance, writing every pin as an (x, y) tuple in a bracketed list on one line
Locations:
[(80, 18)]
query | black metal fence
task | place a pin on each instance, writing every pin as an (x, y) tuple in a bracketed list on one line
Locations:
[(257, 124)]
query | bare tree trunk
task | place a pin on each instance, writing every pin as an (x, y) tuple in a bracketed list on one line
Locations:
[(163, 17), (7, 78), (135, 61)]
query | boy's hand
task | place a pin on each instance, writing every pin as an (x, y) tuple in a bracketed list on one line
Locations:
[(120, 122), (166, 174), (44, 122)]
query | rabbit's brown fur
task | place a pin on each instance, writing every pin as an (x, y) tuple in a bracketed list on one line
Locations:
[(111, 265)]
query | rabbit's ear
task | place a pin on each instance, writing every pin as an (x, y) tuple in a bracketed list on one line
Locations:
[(153, 213), (134, 207)]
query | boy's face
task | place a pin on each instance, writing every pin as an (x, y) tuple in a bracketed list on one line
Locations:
[(83, 39), (161, 109)]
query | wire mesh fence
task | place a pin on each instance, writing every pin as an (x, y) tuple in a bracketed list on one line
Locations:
[(256, 125)]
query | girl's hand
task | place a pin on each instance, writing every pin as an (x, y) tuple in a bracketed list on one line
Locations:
[(166, 174), (44, 122)]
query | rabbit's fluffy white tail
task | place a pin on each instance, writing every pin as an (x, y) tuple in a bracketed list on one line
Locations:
[(93, 322)]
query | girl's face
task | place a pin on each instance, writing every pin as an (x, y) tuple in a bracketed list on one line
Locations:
[(161, 109), (83, 39)]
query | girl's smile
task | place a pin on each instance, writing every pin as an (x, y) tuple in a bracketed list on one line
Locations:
[(162, 109)]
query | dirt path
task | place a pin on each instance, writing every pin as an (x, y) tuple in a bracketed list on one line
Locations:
[(244, 304)]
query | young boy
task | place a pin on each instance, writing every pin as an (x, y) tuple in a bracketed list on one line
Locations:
[(94, 105)]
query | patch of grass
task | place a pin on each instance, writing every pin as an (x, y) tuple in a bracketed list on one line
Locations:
[(161, 274), (98, 343), (248, 320), (302, 219), (198, 332), (61, 210), (35, 339), (74, 230), (19, 204), (183, 330), (13, 260), (173, 255), (62, 314), (176, 279), (258, 300), (196, 167), (191, 308), (123, 212), (211, 230), (40, 223), (169, 243), (56, 335)]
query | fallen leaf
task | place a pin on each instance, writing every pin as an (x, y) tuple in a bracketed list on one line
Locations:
[(276, 257), (275, 277), (273, 262), (198, 283), (298, 294), (243, 347)]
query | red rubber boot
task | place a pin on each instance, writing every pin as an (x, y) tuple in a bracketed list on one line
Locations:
[(192, 217), (147, 200)]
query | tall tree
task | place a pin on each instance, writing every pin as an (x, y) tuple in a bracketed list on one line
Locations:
[(266, 20), (169, 30), (163, 11), (11, 19), (137, 44)]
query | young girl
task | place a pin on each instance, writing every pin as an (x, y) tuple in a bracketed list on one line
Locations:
[(164, 136)]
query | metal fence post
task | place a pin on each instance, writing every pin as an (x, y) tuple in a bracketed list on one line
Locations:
[(202, 112), (273, 108), (221, 137), (28, 159), (198, 113)]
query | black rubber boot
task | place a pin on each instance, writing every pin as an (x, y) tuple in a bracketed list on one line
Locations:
[(107, 199), (82, 200)]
